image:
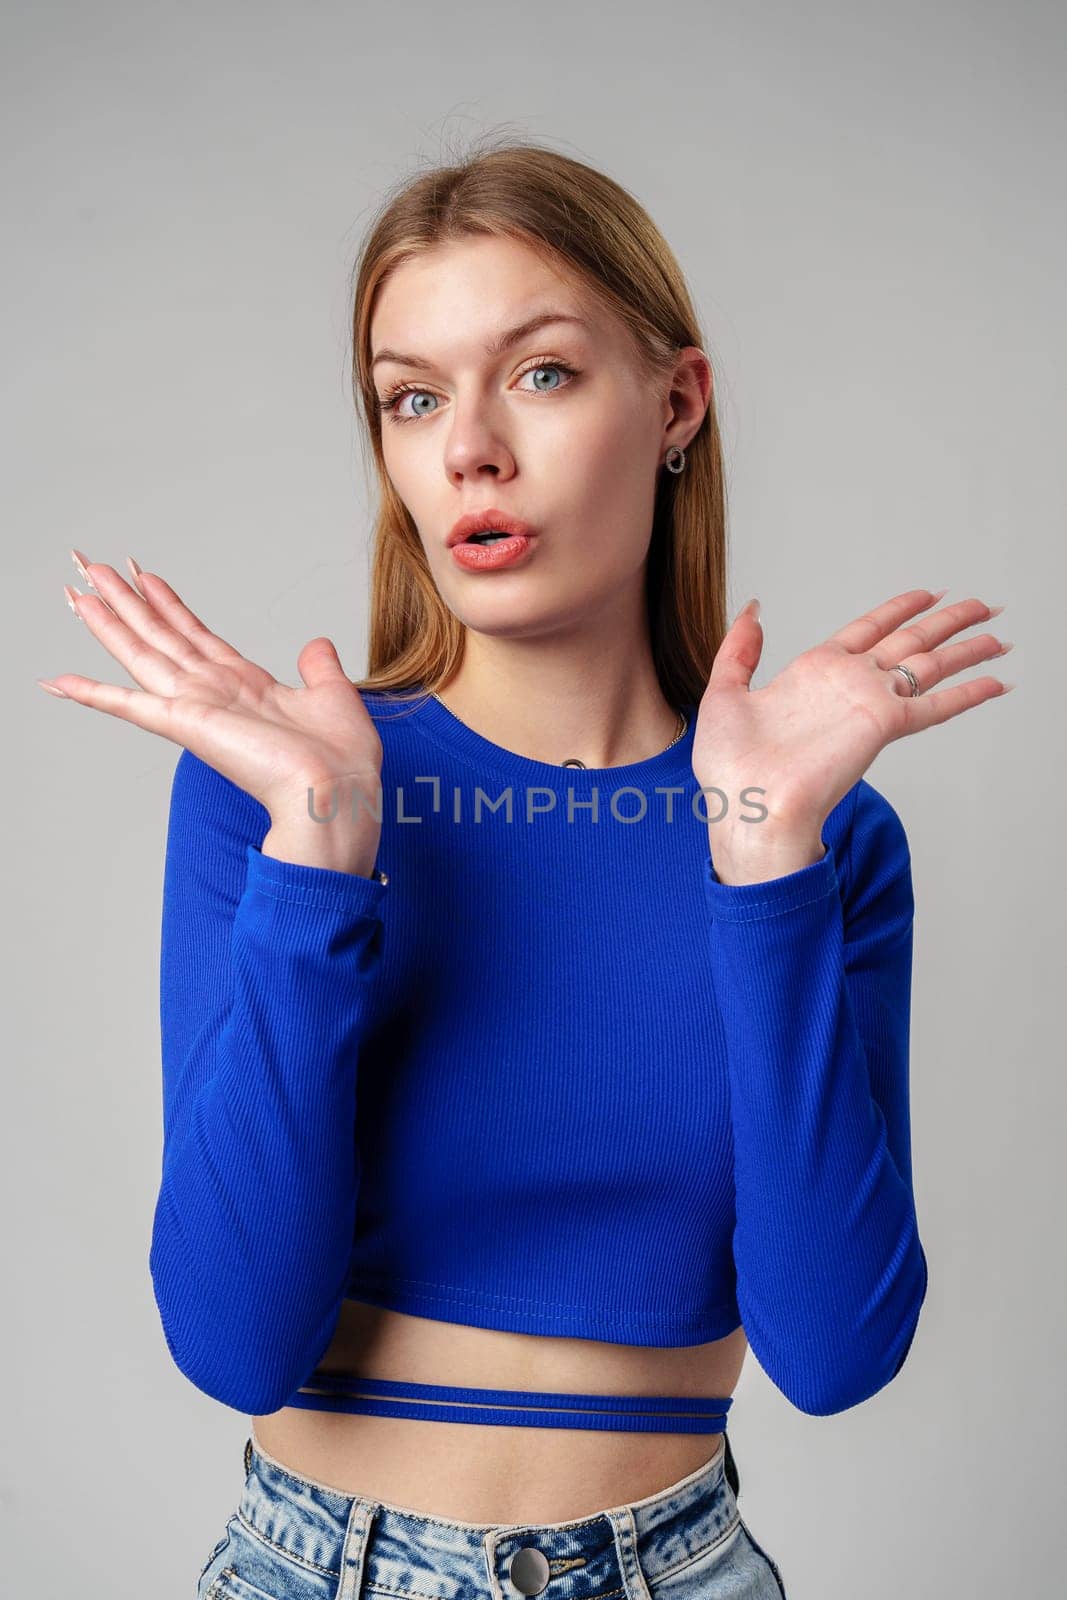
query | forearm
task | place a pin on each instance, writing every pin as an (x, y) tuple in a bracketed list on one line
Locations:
[(830, 1268), (331, 825), (748, 853), (338, 850), (253, 1225)]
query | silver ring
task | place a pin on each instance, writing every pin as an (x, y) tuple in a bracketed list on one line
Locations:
[(912, 679)]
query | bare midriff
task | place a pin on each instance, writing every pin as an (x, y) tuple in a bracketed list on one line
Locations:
[(476, 1472)]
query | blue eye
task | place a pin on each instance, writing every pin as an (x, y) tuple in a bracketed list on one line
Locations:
[(547, 366), (391, 403), (392, 399)]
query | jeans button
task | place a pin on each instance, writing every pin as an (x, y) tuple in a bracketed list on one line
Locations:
[(528, 1570)]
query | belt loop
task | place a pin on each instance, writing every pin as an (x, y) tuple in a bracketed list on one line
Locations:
[(354, 1549), (622, 1520), (490, 1540)]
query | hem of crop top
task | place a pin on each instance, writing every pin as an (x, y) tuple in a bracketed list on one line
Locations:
[(514, 1314)]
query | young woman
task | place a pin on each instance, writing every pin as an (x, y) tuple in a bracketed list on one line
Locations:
[(534, 1010)]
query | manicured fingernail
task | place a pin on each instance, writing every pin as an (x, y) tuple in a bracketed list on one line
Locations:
[(72, 595), (1007, 686), (1007, 645), (940, 595), (751, 606), (62, 693), (994, 611), (79, 561), (135, 573)]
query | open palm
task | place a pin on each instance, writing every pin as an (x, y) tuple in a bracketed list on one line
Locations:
[(197, 690), (811, 733)]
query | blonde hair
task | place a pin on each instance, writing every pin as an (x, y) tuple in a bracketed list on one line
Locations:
[(587, 224)]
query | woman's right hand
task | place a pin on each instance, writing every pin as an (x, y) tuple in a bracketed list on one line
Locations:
[(273, 741)]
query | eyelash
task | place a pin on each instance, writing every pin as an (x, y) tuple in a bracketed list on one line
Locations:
[(392, 398)]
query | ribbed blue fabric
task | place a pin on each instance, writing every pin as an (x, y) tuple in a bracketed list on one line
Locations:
[(553, 1077), (529, 1408)]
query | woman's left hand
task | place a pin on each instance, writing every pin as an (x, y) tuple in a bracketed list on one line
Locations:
[(812, 732)]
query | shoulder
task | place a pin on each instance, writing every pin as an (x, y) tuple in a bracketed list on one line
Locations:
[(204, 802), (876, 829), (872, 815), (392, 707), (873, 856), (396, 714), (865, 825)]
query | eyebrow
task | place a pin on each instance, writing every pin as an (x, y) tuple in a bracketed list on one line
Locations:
[(495, 347)]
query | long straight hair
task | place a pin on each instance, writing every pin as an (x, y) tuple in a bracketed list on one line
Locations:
[(584, 223)]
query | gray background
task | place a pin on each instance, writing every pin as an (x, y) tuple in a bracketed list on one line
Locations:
[(868, 203)]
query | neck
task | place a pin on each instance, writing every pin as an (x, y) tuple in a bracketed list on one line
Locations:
[(562, 709)]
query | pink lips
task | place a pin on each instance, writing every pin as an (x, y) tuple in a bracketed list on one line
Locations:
[(487, 520), (491, 557), (499, 552)]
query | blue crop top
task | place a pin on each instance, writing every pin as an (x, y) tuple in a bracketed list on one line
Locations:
[(552, 1076)]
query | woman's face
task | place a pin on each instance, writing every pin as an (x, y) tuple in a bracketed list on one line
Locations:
[(561, 429)]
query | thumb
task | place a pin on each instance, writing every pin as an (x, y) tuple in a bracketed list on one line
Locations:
[(319, 664), (738, 656)]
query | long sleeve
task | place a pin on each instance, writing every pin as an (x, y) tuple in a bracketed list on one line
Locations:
[(814, 988), (265, 968)]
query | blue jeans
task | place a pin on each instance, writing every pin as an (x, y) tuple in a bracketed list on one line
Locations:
[(294, 1539)]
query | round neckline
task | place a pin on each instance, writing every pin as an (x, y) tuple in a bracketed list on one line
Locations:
[(437, 722)]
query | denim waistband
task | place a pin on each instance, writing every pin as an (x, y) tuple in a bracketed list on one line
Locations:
[(360, 1542), (440, 1402)]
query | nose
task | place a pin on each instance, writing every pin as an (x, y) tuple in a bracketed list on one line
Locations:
[(475, 446)]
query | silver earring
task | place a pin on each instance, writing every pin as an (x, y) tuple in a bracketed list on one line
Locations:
[(674, 460)]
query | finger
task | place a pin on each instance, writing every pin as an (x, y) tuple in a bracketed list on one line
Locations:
[(865, 631), (934, 666), (318, 663), (140, 618), (930, 631), (135, 576), (737, 657), (145, 710), (927, 710), (161, 617), (151, 668)]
